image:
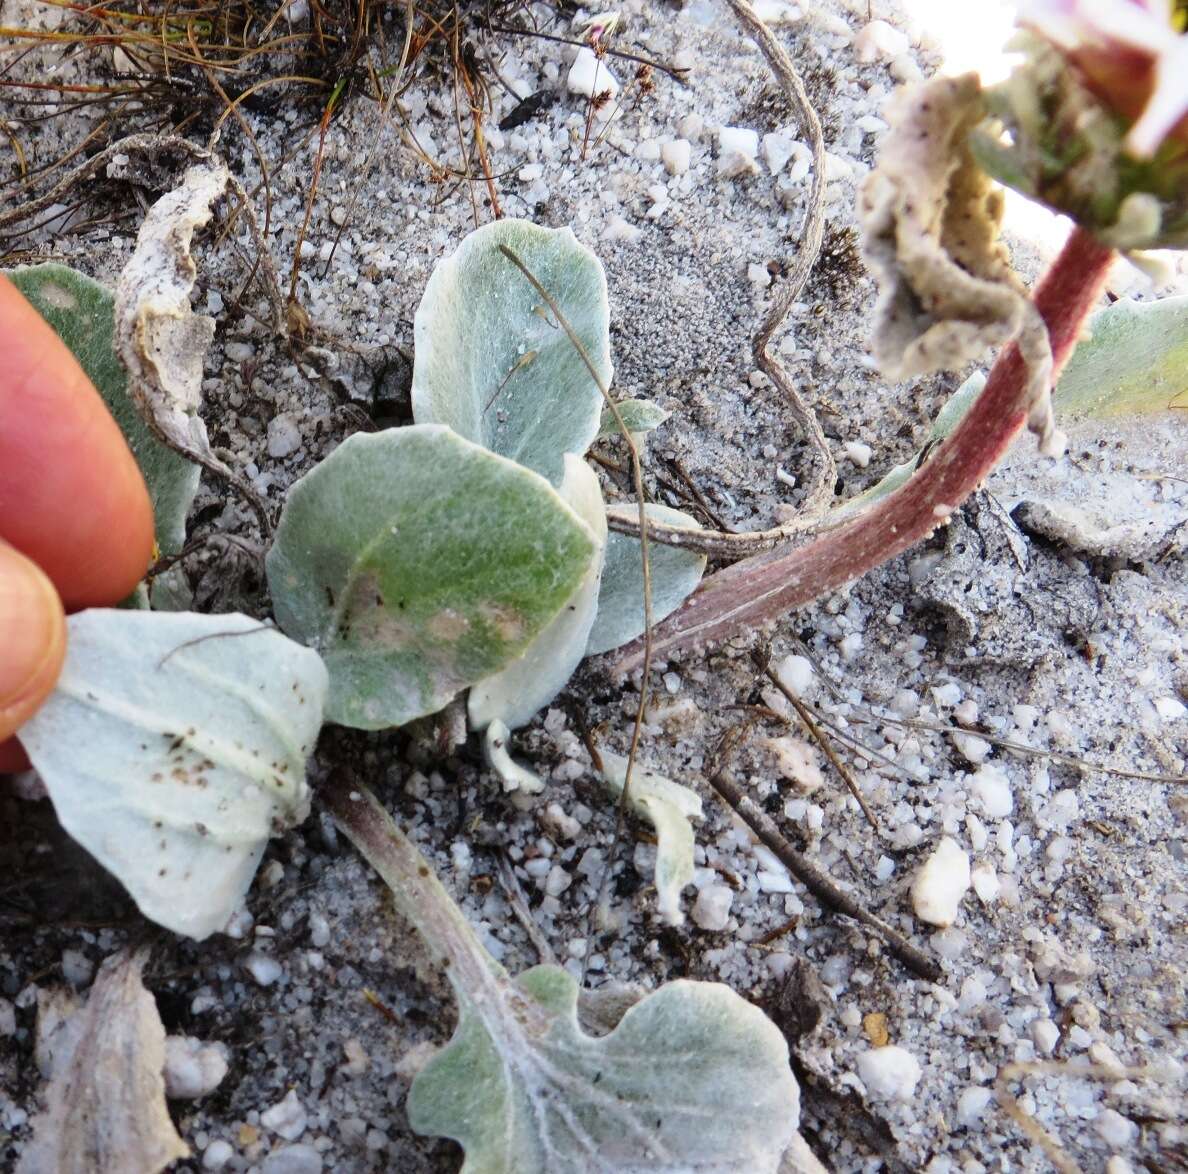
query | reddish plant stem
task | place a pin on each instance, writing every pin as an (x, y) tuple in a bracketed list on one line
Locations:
[(759, 589)]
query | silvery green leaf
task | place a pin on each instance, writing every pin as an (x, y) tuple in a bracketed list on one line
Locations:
[(418, 563), (173, 747), (81, 311), (640, 415), (513, 776), (668, 807), (1134, 361), (693, 1079), (491, 362), (949, 416), (527, 684), (675, 575)]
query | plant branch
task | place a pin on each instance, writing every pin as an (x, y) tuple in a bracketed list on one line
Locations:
[(760, 589)]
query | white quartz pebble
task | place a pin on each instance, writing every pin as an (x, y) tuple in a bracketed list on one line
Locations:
[(941, 882), (890, 1072)]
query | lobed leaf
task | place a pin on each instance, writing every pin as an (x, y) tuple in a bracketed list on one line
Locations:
[(418, 563), (693, 1078), (173, 746), (82, 313), (675, 574), (491, 363)]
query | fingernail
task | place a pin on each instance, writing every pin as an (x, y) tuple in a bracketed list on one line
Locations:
[(32, 635)]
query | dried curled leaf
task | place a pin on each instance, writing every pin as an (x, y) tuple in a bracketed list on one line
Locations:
[(668, 807), (159, 338), (930, 220), (105, 1106)]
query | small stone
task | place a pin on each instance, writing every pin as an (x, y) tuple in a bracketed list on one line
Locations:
[(618, 229), (286, 1118), (1116, 1131), (985, 882), (796, 674), (1169, 708), (711, 910), (193, 1068), (217, 1155), (992, 789), (774, 882), (357, 1059), (239, 352), (338, 214), (691, 126), (879, 41), (972, 1105), (319, 930), (1045, 1035), (737, 148), (676, 156), (589, 76), (262, 968), (77, 968), (941, 883), (890, 1072), (758, 275), (858, 454), (973, 749), (284, 437), (293, 1159), (874, 1025), (779, 149)]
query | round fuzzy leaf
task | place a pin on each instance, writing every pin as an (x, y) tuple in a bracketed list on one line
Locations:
[(82, 313), (418, 563), (531, 682), (675, 575), (173, 747), (491, 362)]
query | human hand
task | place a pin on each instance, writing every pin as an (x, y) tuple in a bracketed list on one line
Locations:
[(76, 522)]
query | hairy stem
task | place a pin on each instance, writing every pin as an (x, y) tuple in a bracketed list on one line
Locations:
[(478, 980), (760, 589)]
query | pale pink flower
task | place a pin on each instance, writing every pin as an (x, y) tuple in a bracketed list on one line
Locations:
[(1131, 56)]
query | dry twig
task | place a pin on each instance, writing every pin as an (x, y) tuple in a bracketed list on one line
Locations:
[(816, 881)]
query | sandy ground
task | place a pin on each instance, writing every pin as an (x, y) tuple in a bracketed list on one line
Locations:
[(1069, 949)]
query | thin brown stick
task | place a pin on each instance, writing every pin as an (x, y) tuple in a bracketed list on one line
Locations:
[(644, 527), (823, 476), (623, 55), (805, 715), (817, 882)]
